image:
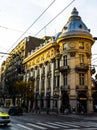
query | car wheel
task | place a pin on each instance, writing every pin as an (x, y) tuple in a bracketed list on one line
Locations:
[(11, 113), (5, 124)]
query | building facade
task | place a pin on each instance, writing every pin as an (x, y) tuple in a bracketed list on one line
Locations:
[(61, 68), (12, 69)]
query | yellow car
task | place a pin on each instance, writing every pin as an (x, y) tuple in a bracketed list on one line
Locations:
[(4, 118)]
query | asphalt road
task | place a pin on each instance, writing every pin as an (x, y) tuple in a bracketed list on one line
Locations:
[(30, 121)]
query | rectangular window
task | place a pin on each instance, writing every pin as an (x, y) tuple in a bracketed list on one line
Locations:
[(49, 82), (81, 56), (43, 69), (56, 81), (55, 64), (58, 63), (81, 79), (42, 87), (65, 60), (49, 66), (65, 79), (37, 85), (38, 71)]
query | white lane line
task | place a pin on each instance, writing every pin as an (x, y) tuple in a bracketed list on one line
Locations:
[(88, 124), (25, 127), (68, 124), (40, 127), (73, 129), (84, 124), (57, 125), (54, 127), (89, 128)]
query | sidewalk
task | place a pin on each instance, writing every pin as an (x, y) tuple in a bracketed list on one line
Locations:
[(61, 114), (91, 116)]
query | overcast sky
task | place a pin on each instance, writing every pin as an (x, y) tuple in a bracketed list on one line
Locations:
[(17, 15)]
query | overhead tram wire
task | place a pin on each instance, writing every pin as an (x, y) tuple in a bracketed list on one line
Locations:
[(12, 29), (38, 19), (55, 17), (33, 23)]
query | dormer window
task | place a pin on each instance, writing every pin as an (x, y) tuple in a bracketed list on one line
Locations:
[(80, 26)]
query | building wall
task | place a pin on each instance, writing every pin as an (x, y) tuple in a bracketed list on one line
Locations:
[(60, 68), (68, 62)]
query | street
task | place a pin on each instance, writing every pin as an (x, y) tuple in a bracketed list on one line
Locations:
[(33, 121)]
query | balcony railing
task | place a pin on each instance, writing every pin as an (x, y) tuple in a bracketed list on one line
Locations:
[(65, 87), (82, 67), (64, 68), (81, 87)]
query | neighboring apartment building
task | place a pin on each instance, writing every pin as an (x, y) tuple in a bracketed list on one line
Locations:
[(11, 68), (61, 68)]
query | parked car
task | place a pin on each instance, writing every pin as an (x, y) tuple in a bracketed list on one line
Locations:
[(15, 110), (4, 118)]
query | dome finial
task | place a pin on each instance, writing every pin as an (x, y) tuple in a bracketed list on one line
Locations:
[(74, 12)]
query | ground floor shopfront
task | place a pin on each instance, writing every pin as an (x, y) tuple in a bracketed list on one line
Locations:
[(77, 103)]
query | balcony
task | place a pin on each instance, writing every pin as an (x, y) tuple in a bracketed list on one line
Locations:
[(82, 67), (81, 87), (65, 88), (64, 69)]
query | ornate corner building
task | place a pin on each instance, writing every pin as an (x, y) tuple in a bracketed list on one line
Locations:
[(61, 68)]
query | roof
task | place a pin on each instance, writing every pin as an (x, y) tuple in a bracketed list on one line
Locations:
[(75, 25)]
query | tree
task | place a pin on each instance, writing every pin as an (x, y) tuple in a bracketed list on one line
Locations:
[(26, 90)]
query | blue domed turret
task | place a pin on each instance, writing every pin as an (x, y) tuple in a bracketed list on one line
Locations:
[(75, 25)]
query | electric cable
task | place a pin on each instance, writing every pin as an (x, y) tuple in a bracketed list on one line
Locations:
[(33, 23), (38, 19), (55, 17)]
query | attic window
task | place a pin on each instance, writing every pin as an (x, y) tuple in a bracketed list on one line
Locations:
[(80, 26), (65, 28)]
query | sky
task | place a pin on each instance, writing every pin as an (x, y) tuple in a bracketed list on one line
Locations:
[(16, 16)]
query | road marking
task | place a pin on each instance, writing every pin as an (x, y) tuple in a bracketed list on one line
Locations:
[(25, 127), (40, 127), (89, 128), (84, 124), (54, 127), (68, 124), (57, 125)]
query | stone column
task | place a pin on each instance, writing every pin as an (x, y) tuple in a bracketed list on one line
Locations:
[(45, 85), (52, 84), (90, 100), (72, 81)]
